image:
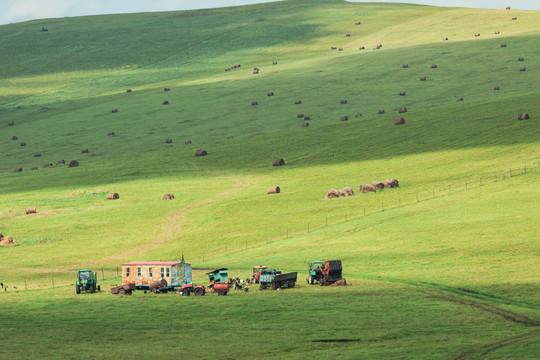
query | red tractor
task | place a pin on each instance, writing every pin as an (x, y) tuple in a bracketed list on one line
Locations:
[(257, 271)]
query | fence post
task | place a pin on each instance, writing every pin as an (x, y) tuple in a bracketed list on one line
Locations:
[(308, 227), (326, 219), (117, 271), (416, 197), (203, 256), (102, 274), (52, 282), (25, 286)]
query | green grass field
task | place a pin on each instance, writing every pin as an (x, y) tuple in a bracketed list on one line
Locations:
[(443, 267)]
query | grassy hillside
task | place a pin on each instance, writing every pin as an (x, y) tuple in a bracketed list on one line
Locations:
[(449, 255)]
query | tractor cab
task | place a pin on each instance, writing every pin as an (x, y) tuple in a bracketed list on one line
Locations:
[(257, 271), (218, 276)]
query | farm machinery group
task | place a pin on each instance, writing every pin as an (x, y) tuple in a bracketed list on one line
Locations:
[(176, 276)]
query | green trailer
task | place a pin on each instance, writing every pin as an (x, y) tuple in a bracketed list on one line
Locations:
[(86, 281), (218, 276)]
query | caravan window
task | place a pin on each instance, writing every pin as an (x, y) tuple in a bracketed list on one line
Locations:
[(168, 273), (150, 272), (139, 272), (162, 272), (127, 271)]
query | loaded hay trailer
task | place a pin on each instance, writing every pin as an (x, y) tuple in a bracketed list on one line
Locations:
[(144, 273), (276, 279)]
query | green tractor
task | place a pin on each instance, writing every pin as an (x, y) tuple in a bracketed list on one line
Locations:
[(324, 272), (86, 281)]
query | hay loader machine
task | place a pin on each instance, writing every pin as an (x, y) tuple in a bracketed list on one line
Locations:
[(86, 281), (324, 272)]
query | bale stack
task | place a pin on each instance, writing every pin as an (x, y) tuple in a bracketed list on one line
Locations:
[(381, 112), (18, 170), (344, 118), (300, 115), (84, 151), (201, 153), (271, 93), (390, 183), (254, 103), (61, 162), (307, 118), (378, 185), (113, 196), (23, 143), (31, 210), (33, 168), (114, 111), (14, 138), (166, 89), (332, 194), (343, 102), (46, 165), (168, 141), (37, 154), (273, 190), (278, 162), (402, 93), (367, 188), (306, 124), (11, 123), (297, 102), (168, 197), (165, 102), (111, 133), (423, 78), (6, 240)]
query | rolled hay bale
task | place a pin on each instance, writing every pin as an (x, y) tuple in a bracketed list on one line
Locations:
[(503, 45), (307, 118), (254, 103), (23, 143), (523, 69), (14, 138), (379, 46), (73, 163), (166, 89), (347, 191), (111, 133), (128, 90), (230, 137), (271, 93), (333, 47), (477, 35), (367, 188), (445, 39), (278, 162), (46, 165), (6, 241), (344, 118), (114, 111), (201, 153), (300, 115), (11, 123), (61, 162), (306, 124), (358, 116), (348, 35), (402, 110), (33, 168), (84, 151), (357, 23), (514, 18), (497, 32), (362, 48), (31, 210), (227, 69), (400, 121), (165, 102), (113, 196), (460, 99), (297, 102), (343, 102), (423, 78), (405, 66), (188, 142), (332, 194), (273, 190), (340, 49), (434, 66), (378, 185), (168, 141), (380, 112), (168, 197), (523, 116), (19, 107), (390, 183), (521, 59), (375, 48), (17, 170), (255, 70), (496, 88), (37, 154), (274, 62), (238, 65), (402, 93)]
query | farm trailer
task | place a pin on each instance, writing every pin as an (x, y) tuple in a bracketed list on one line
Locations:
[(276, 279)]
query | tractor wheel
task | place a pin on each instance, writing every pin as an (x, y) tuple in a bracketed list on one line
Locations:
[(186, 292), (291, 284), (77, 289), (92, 289), (262, 286), (122, 291), (221, 293), (154, 291), (199, 292), (99, 288), (311, 281)]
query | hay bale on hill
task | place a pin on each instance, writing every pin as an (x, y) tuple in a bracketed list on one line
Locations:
[(11, 123), (434, 66), (114, 111), (166, 89), (358, 116), (340, 49), (113, 196), (274, 62), (271, 93), (46, 165), (367, 188), (523, 117), (477, 35), (343, 102), (165, 102), (273, 190), (6, 240), (405, 66), (31, 210), (508, 8), (300, 115), (348, 35), (344, 118), (37, 154), (19, 107), (378, 185), (400, 121), (84, 151), (333, 47), (111, 133), (255, 70), (357, 23), (514, 18), (332, 194), (73, 163), (362, 48), (168, 197), (278, 162), (23, 143), (402, 110), (227, 69), (61, 162), (17, 170), (33, 168), (254, 103), (423, 78), (523, 69), (445, 39), (347, 191), (503, 45), (201, 153), (381, 112), (460, 99), (497, 32), (168, 141), (390, 183), (402, 93), (297, 102), (128, 90), (521, 59), (306, 124), (496, 88), (307, 118), (188, 142), (14, 138)]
